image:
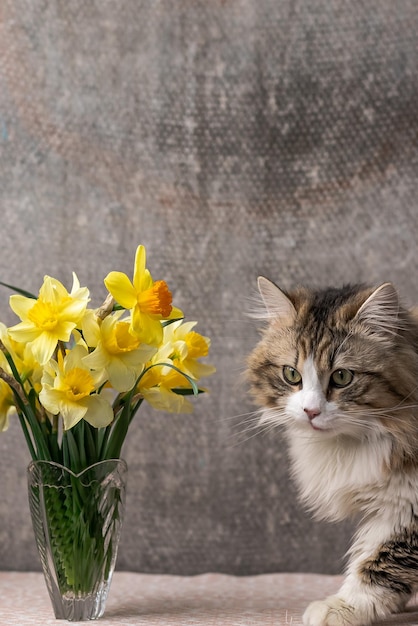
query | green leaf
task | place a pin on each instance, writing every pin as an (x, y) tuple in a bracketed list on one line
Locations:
[(23, 404), (184, 391), (22, 292), (79, 437), (72, 459), (27, 435), (119, 431), (168, 322), (91, 443), (102, 438)]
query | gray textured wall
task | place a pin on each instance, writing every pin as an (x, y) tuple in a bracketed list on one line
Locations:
[(232, 138)]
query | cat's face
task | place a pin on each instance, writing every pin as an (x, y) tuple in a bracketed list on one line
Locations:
[(314, 396), (334, 362)]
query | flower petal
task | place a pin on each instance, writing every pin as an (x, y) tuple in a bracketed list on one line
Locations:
[(73, 310), (72, 413), (21, 305), (176, 314), (91, 328), (121, 377), (23, 332), (199, 370), (50, 398), (165, 400), (98, 359), (121, 288), (146, 329), (99, 411), (43, 347), (52, 290), (76, 284), (74, 358), (139, 356)]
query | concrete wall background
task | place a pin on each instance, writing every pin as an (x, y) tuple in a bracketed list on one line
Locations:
[(232, 138)]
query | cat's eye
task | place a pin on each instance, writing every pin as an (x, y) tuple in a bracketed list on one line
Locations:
[(291, 375), (341, 378)]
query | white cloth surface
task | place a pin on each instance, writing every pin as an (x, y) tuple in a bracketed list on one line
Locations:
[(204, 600)]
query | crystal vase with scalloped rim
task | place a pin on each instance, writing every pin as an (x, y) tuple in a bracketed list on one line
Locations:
[(77, 519)]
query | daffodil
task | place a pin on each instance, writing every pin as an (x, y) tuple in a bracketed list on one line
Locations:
[(68, 388), (7, 400), (162, 398), (149, 301), (172, 367), (7, 407), (187, 347), (26, 365), (117, 351), (50, 318)]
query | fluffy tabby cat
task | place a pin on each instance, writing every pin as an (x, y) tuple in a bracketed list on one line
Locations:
[(339, 369)]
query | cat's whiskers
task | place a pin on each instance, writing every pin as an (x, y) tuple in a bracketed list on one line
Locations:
[(250, 415), (275, 416), (386, 412), (250, 427)]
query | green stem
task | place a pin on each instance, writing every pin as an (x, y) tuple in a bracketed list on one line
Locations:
[(27, 436), (24, 405)]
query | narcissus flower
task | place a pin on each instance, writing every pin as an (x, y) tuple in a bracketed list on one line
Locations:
[(26, 364), (157, 384), (7, 400), (187, 347), (117, 351), (7, 407), (50, 318), (176, 360), (68, 388), (149, 301)]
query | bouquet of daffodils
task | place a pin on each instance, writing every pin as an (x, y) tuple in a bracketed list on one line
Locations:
[(76, 377)]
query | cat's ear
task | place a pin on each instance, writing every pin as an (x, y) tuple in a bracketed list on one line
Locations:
[(380, 312), (276, 302)]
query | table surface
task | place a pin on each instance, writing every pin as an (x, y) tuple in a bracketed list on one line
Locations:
[(205, 600)]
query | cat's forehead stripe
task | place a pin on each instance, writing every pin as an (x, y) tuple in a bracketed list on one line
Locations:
[(321, 349)]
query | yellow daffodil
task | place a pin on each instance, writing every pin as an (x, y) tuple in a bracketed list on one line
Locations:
[(149, 301), (6, 405), (187, 347), (26, 365), (162, 398), (68, 388), (50, 318), (117, 351), (7, 400), (156, 385), (181, 348)]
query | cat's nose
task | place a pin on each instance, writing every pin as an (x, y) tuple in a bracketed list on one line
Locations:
[(312, 413)]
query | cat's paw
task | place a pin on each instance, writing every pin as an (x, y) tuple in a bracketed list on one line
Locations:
[(333, 611)]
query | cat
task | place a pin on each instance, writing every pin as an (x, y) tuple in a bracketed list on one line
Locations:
[(338, 368)]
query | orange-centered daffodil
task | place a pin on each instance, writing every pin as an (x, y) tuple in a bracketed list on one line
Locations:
[(181, 349), (149, 301)]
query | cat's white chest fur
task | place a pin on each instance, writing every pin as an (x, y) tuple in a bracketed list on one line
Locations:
[(338, 476)]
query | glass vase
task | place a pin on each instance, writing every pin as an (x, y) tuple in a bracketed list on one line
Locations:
[(77, 521)]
